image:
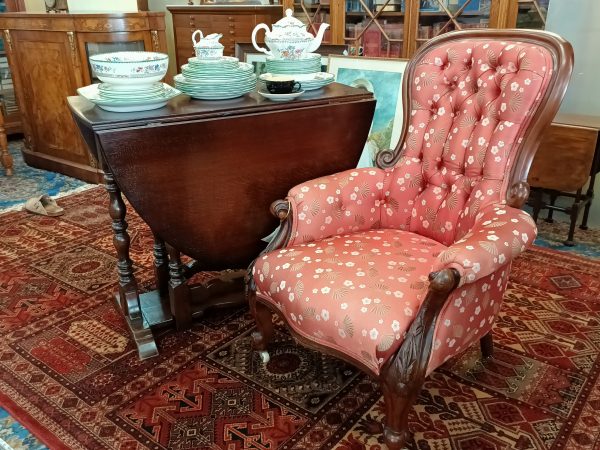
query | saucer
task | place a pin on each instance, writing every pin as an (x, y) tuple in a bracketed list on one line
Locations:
[(281, 97)]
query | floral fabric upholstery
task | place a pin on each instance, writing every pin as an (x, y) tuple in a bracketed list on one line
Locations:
[(471, 104), (356, 292)]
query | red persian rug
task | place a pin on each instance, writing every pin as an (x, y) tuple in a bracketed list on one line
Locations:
[(70, 373)]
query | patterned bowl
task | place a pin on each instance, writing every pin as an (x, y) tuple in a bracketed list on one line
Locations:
[(129, 68)]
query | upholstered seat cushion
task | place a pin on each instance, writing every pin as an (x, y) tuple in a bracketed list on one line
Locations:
[(357, 293)]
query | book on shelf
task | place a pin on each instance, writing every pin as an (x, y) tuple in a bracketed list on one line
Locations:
[(372, 41), (392, 5)]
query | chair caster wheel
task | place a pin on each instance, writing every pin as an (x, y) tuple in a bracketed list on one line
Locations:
[(264, 355)]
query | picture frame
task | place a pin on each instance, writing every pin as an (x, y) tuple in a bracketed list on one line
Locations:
[(246, 52), (383, 77)]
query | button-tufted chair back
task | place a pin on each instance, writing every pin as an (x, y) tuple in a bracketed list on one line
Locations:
[(468, 106)]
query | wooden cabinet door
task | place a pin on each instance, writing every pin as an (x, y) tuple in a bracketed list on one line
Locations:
[(48, 74)]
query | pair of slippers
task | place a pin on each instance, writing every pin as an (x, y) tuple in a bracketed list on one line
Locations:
[(43, 205)]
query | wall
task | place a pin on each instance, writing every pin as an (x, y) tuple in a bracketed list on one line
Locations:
[(579, 23), (35, 6), (102, 6), (160, 5), (87, 5)]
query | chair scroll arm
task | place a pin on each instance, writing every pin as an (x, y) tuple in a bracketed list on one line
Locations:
[(402, 376), (518, 194), (280, 209)]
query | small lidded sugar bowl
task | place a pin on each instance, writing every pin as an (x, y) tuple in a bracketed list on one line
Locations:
[(208, 47)]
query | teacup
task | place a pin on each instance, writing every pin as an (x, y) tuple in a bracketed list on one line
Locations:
[(282, 85)]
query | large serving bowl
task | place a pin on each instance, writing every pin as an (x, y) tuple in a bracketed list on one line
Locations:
[(130, 68)]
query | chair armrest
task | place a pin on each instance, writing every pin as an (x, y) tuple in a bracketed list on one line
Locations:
[(344, 202), (499, 235)]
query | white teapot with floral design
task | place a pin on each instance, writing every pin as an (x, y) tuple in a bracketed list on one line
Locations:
[(289, 38)]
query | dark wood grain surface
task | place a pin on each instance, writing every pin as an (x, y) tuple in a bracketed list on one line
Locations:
[(203, 174)]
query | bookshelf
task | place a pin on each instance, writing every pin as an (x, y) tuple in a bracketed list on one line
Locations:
[(8, 101), (396, 28), (532, 14)]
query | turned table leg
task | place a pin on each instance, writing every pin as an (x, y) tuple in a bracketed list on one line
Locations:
[(5, 157), (161, 266), (129, 299), (179, 292)]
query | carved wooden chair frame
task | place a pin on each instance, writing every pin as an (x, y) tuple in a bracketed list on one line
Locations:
[(402, 376)]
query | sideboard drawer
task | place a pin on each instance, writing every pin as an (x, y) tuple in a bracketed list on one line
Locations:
[(235, 24)]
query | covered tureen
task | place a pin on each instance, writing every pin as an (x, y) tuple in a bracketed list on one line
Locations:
[(208, 47), (289, 38)]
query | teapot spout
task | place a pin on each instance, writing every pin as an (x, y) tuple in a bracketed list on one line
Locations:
[(314, 45)]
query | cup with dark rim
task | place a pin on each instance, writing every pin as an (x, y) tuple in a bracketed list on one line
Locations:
[(282, 85)]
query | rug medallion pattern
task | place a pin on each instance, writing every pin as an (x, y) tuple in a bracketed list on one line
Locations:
[(67, 361)]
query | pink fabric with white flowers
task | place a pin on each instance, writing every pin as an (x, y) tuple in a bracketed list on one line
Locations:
[(471, 104), (355, 292)]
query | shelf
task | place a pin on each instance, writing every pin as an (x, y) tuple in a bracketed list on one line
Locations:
[(383, 14), (313, 6), (463, 14)]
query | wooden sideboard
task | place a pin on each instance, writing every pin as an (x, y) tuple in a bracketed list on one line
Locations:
[(48, 58), (234, 22), (568, 158)]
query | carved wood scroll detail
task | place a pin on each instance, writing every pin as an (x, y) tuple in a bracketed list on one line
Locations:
[(8, 40), (73, 46), (155, 41)]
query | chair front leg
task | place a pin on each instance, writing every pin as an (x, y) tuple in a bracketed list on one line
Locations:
[(263, 317), (487, 346), (403, 375)]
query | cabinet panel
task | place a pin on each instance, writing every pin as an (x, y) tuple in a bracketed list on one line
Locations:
[(48, 57), (47, 75)]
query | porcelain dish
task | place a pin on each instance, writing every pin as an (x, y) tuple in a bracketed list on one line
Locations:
[(281, 97), (310, 82), (130, 68), (310, 63), (222, 79), (154, 98)]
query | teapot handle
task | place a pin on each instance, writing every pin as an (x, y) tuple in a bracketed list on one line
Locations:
[(256, 29), (194, 42)]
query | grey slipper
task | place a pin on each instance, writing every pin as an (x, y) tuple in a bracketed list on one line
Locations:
[(43, 205)]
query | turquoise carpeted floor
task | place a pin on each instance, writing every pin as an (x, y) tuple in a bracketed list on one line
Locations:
[(28, 182)]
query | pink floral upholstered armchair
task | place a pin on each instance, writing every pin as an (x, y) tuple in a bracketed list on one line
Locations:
[(399, 268)]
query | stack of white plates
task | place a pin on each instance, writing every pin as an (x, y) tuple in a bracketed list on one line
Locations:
[(129, 97), (306, 70), (309, 82), (310, 63), (216, 79)]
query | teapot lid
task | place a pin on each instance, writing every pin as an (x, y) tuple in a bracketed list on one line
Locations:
[(289, 21)]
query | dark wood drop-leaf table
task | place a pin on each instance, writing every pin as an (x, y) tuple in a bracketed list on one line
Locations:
[(202, 175)]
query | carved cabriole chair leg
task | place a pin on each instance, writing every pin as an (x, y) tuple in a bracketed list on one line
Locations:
[(264, 322), (403, 375), (487, 346)]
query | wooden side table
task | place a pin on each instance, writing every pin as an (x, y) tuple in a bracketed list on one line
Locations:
[(202, 175), (568, 157), (5, 157)]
